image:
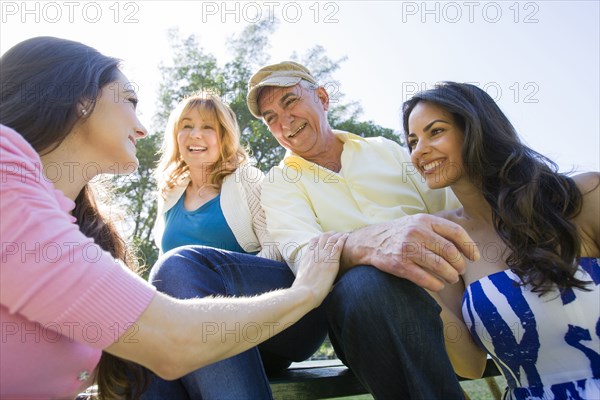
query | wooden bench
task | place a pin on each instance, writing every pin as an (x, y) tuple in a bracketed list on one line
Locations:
[(323, 379), (330, 378)]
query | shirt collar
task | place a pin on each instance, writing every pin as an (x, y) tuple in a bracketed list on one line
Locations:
[(344, 136)]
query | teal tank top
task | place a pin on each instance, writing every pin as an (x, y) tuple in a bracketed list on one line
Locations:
[(205, 226)]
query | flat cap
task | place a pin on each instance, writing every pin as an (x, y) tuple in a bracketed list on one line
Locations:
[(283, 74)]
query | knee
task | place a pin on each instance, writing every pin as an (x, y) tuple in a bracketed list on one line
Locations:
[(187, 272), (366, 291)]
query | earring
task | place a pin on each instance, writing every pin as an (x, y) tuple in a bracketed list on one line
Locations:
[(83, 112)]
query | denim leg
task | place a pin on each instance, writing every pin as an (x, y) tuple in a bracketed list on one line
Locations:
[(159, 389), (388, 331), (195, 271)]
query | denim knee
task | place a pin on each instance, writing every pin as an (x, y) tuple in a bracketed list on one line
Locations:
[(365, 296), (188, 272), (389, 332)]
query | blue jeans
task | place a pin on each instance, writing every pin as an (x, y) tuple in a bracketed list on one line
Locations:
[(389, 332), (386, 329), (195, 271)]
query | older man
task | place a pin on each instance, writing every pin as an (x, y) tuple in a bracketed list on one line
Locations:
[(383, 324)]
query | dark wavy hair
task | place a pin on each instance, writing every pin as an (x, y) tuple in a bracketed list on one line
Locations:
[(532, 203), (43, 81)]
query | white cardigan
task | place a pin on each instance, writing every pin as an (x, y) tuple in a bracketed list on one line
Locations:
[(240, 202)]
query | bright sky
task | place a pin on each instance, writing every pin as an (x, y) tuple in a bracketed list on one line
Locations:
[(538, 59)]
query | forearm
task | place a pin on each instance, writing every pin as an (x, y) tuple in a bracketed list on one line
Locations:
[(467, 358), (174, 337)]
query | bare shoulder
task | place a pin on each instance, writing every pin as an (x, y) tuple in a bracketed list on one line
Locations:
[(587, 220), (589, 186), (588, 183)]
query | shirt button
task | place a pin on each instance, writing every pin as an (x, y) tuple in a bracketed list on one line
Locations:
[(83, 376)]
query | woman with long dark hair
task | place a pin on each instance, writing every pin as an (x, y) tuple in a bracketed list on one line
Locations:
[(532, 300), (69, 304)]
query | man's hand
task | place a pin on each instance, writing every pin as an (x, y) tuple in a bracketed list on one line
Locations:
[(422, 248), (320, 264)]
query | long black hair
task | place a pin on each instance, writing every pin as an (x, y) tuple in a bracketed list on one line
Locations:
[(532, 203), (44, 83)]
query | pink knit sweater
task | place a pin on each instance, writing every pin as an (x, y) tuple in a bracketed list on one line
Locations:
[(62, 299)]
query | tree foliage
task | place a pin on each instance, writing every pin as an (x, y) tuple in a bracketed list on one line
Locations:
[(193, 70)]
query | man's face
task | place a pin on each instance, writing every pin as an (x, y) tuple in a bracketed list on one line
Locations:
[(296, 116)]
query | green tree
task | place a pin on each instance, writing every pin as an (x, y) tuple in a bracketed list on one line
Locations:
[(194, 70)]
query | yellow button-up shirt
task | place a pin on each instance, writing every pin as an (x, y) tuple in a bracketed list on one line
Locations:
[(377, 183)]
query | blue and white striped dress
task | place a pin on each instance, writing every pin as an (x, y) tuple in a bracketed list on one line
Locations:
[(546, 347)]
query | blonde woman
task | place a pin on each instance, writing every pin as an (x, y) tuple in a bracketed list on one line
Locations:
[(209, 195)]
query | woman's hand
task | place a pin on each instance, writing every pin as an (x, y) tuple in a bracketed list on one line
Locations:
[(320, 264), (175, 337)]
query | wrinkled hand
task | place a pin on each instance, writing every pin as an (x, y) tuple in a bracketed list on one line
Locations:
[(320, 263), (422, 248)]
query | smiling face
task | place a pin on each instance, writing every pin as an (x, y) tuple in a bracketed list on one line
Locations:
[(198, 139), (296, 116), (435, 141), (107, 138)]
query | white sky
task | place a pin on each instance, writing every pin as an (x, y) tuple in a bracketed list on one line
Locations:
[(538, 59)]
